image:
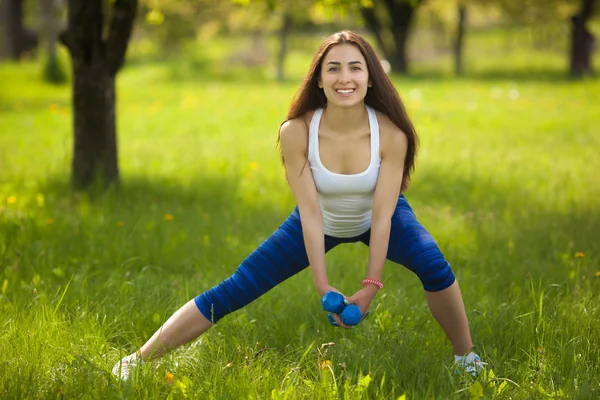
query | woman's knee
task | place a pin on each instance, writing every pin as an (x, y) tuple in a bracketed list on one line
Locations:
[(436, 276)]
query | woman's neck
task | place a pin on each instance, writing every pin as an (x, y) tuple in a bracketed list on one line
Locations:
[(344, 119)]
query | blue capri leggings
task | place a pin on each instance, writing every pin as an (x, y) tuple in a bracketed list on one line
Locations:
[(283, 255)]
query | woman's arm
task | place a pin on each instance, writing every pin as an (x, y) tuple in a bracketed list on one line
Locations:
[(393, 152), (293, 139)]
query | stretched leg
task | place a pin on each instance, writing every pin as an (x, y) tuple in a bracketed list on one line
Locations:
[(449, 311), (412, 246), (185, 325), (279, 257)]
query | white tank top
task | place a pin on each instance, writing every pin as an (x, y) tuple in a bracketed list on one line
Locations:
[(346, 200)]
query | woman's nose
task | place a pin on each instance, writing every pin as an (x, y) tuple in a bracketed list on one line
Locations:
[(344, 77)]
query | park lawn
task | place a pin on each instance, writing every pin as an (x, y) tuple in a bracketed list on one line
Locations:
[(506, 181)]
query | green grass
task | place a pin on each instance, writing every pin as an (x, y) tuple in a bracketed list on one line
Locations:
[(506, 182)]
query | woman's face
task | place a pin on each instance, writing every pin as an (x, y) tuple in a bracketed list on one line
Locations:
[(344, 76)]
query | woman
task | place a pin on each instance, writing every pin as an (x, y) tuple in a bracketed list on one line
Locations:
[(348, 148)]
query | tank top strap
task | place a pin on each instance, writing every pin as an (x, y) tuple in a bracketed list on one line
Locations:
[(374, 126), (313, 136)]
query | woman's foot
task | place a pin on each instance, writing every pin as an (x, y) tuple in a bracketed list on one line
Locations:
[(125, 367), (470, 364)]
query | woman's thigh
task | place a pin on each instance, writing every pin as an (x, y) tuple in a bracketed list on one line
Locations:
[(278, 258), (413, 246)]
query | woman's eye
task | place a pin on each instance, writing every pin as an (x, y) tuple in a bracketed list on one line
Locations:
[(333, 69)]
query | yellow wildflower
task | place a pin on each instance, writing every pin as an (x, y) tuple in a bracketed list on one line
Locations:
[(168, 217), (598, 274), (579, 254), (169, 377), (326, 364), (11, 199), (49, 221), (120, 223)]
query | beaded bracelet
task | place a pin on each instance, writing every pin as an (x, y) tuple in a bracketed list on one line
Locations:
[(373, 282)]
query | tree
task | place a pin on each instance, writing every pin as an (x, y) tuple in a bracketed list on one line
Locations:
[(15, 39), (96, 58), (286, 26), (53, 71), (582, 41), (390, 21)]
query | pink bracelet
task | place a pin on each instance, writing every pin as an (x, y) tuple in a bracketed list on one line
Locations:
[(373, 282)]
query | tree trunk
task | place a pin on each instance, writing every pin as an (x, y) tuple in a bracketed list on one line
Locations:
[(582, 41), (50, 26), (401, 16), (283, 48), (460, 38), (397, 24), (375, 26), (95, 144), (4, 33), (53, 71), (12, 16), (15, 39), (96, 61)]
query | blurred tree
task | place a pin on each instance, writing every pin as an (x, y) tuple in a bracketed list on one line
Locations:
[(284, 31), (460, 37), (293, 13), (173, 23), (302, 15), (445, 21), (582, 41), (97, 53), (53, 71), (15, 39), (390, 21)]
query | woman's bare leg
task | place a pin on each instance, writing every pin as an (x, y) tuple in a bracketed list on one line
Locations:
[(448, 309), (185, 325)]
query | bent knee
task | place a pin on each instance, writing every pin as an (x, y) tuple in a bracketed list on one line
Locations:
[(437, 278)]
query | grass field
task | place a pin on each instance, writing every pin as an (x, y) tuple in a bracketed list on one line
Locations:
[(506, 181)]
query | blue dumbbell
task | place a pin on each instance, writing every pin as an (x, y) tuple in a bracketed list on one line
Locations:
[(351, 315), (335, 303)]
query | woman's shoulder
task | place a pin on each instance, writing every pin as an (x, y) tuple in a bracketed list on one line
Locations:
[(294, 131), (386, 126), (297, 126), (393, 140)]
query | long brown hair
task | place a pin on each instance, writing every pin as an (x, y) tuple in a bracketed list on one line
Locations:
[(382, 96)]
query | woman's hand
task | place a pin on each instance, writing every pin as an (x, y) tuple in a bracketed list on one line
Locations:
[(363, 298), (324, 288)]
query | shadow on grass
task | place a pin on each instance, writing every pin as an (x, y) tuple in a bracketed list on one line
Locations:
[(182, 225), (512, 225), (135, 235)]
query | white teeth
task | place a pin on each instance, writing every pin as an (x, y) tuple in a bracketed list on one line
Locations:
[(345, 91)]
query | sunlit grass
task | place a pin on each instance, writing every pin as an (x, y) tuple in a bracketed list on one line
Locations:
[(506, 181)]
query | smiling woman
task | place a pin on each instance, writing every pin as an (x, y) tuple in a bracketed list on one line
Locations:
[(350, 127), (344, 82)]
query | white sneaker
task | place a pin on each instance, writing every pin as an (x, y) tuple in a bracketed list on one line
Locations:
[(124, 368), (470, 364)]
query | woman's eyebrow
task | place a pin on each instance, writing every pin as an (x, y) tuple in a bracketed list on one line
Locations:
[(339, 63)]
